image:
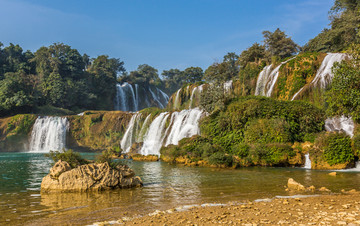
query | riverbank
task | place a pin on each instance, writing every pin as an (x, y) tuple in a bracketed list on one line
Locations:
[(341, 209)]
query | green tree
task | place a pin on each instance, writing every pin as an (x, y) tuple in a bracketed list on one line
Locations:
[(344, 20), (15, 93), (193, 74), (103, 73), (344, 94), (279, 44), (254, 53)]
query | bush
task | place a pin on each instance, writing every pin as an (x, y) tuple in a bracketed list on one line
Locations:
[(73, 158), (274, 154), (337, 147), (267, 131), (107, 156), (241, 150), (242, 116), (220, 158)]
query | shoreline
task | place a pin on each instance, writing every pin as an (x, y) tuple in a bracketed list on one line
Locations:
[(326, 209)]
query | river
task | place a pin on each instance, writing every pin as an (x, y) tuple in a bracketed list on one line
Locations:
[(165, 186)]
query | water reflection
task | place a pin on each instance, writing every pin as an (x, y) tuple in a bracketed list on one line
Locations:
[(165, 186)]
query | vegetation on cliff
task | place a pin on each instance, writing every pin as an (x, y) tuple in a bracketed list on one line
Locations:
[(344, 30), (257, 130)]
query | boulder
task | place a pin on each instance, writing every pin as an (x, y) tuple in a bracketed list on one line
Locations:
[(89, 177), (293, 185)]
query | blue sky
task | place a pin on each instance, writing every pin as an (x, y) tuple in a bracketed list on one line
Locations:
[(162, 33)]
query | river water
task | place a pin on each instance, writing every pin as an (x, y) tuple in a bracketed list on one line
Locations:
[(165, 186)]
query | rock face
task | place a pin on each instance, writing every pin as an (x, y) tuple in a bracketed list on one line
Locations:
[(89, 177)]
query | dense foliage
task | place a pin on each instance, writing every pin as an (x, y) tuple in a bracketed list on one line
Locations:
[(73, 158), (55, 76), (336, 148), (240, 117), (344, 30), (344, 94)]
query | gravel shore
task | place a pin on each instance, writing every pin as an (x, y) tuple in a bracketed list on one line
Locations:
[(340, 209)]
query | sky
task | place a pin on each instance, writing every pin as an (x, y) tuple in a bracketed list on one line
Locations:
[(165, 34)]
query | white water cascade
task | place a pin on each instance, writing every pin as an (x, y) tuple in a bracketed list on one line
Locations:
[(344, 124), (267, 79), (307, 164), (177, 99), (125, 98), (324, 75), (197, 89), (156, 134), (128, 98), (48, 134)]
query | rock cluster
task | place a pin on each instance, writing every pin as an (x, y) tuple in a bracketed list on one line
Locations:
[(89, 177)]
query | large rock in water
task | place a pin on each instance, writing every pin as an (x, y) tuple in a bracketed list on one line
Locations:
[(89, 177)]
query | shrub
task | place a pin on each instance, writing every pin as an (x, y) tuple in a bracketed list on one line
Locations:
[(336, 146), (271, 154), (73, 158), (241, 150), (220, 158), (106, 156), (267, 131)]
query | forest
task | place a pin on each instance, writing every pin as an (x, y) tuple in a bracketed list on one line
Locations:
[(58, 78)]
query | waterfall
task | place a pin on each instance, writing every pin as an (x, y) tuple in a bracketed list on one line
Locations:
[(197, 89), (262, 81), (307, 164), (128, 98), (324, 75), (177, 99), (228, 86), (155, 135), (159, 133), (125, 98), (342, 123), (185, 124), (128, 138), (267, 79), (48, 134)]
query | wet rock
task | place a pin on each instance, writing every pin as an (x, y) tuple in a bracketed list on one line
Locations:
[(293, 185), (145, 158), (332, 174), (324, 189), (89, 177), (59, 168)]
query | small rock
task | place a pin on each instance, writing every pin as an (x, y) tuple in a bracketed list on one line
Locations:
[(332, 174), (324, 189), (293, 185)]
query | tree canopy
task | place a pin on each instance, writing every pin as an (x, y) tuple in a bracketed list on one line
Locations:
[(344, 28)]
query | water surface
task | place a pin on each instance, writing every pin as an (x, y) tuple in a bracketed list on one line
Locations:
[(165, 186)]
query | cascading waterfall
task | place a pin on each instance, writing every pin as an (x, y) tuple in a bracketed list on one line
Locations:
[(228, 86), (177, 99), (267, 79), (128, 97), (324, 75), (48, 134), (125, 98), (197, 89), (262, 81), (307, 164), (185, 124), (156, 134), (128, 137), (342, 123)]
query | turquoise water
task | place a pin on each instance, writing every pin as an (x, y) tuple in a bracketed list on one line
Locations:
[(165, 186)]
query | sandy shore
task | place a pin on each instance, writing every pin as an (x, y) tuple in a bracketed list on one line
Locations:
[(341, 209)]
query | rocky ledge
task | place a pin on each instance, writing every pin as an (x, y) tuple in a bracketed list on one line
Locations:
[(89, 177)]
